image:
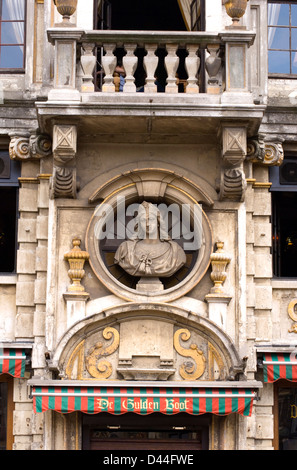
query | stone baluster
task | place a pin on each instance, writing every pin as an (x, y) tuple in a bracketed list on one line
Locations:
[(213, 65), (109, 62), (171, 63), (130, 64), (88, 62), (192, 67), (150, 65)]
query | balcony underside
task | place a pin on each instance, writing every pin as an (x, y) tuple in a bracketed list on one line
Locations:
[(124, 117)]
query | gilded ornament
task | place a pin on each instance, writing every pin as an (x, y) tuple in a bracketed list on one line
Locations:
[(293, 315), (219, 262), (76, 259), (189, 371), (103, 368), (76, 359)]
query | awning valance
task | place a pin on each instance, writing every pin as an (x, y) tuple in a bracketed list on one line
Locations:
[(13, 362), (279, 365), (143, 399)]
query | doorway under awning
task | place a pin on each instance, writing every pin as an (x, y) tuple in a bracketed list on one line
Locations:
[(220, 398)]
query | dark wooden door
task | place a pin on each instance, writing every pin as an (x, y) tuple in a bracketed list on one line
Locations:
[(153, 432)]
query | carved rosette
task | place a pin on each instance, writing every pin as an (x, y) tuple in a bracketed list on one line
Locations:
[(189, 370), (268, 153), (219, 262), (76, 259), (29, 146)]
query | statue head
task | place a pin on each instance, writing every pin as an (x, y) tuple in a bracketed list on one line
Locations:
[(150, 223)]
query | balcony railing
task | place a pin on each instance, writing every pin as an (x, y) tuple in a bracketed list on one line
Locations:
[(150, 62)]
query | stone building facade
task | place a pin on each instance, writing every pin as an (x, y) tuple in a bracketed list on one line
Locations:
[(178, 337)]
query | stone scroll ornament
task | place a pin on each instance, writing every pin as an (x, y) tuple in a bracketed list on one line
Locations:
[(293, 315), (102, 369), (151, 252), (189, 371), (29, 146), (268, 153)]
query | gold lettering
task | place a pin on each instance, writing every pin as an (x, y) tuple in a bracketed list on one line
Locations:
[(293, 411), (175, 405), (102, 403)]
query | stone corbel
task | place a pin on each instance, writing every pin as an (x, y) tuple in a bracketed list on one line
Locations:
[(26, 146), (63, 182), (265, 152), (232, 182)]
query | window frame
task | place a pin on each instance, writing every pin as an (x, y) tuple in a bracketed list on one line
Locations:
[(15, 70), (277, 190), (12, 182), (290, 50)]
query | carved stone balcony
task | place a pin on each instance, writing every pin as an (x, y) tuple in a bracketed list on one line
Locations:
[(195, 76)]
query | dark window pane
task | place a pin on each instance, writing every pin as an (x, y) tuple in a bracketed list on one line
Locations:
[(279, 62), (11, 57), (13, 10), (12, 33), (287, 405), (7, 229)]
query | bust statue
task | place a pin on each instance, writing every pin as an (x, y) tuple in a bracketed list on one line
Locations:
[(151, 253)]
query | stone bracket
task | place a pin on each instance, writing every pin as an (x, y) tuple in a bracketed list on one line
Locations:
[(232, 183), (63, 182), (265, 152), (25, 145)]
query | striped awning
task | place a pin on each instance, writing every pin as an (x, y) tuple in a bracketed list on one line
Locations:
[(143, 400), (13, 362), (279, 366)]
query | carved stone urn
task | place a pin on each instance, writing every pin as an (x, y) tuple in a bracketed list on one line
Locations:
[(235, 9), (66, 8), (76, 259)]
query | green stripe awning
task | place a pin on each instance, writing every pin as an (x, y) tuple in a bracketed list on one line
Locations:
[(143, 400), (279, 366), (12, 362)]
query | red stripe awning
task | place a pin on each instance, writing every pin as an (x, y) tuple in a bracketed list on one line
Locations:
[(279, 366), (143, 399), (12, 362)]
